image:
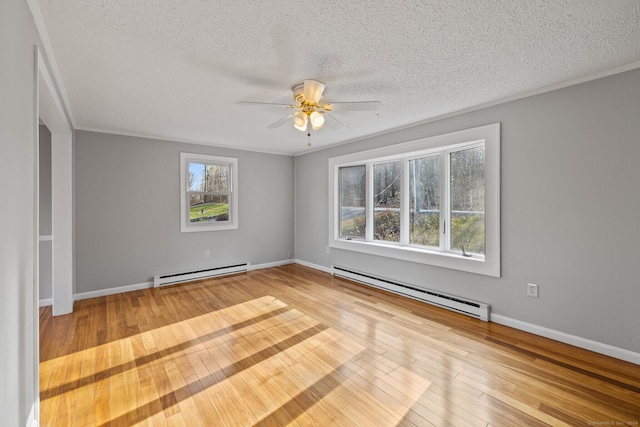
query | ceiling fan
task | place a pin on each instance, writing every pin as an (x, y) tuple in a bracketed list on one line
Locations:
[(310, 108)]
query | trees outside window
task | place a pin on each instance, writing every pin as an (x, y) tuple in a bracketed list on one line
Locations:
[(386, 201), (422, 200), (352, 201), (467, 193), (208, 192)]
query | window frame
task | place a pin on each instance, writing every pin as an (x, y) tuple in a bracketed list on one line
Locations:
[(441, 256), (185, 225)]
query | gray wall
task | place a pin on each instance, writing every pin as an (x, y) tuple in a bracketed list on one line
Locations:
[(46, 253), (18, 357), (127, 198), (45, 272), (570, 205), (44, 139)]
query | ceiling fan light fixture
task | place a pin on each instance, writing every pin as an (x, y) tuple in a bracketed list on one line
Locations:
[(309, 107), (300, 121), (317, 120), (313, 90)]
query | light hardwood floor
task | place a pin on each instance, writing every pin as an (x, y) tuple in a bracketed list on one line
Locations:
[(294, 346)]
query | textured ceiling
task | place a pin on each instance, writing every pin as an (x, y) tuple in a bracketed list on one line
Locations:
[(174, 69)]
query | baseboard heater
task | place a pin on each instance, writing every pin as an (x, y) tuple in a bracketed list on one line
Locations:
[(186, 276), (471, 308)]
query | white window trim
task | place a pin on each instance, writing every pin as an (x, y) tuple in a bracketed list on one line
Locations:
[(185, 225), (490, 264)]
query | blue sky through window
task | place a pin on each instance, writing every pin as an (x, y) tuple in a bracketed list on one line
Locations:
[(197, 170)]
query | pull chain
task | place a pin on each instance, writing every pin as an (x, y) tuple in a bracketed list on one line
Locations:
[(309, 139)]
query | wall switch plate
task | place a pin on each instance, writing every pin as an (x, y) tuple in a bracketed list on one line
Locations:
[(207, 253), (327, 249), (532, 290)]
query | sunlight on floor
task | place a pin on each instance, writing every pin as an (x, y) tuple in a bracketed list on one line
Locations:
[(239, 365)]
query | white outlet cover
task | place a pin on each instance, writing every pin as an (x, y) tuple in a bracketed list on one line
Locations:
[(532, 290)]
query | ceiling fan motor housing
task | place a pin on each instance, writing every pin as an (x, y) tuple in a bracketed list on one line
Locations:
[(298, 93)]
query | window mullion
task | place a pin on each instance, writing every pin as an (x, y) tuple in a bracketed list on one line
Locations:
[(369, 203), (404, 202), (445, 217)]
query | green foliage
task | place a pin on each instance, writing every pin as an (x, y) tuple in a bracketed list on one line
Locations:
[(208, 211), (468, 231), (425, 230), (353, 227), (387, 226)]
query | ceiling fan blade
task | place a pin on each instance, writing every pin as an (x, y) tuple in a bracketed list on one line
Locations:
[(338, 123), (264, 104), (354, 106), (280, 122), (313, 90)]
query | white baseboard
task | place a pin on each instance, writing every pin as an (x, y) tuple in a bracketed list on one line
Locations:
[(112, 291), (46, 302), (270, 264), (597, 347), (145, 285), (606, 349), (314, 266), (31, 419)]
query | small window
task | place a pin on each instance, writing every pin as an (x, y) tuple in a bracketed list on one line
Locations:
[(209, 194)]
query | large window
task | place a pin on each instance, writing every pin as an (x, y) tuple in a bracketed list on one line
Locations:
[(209, 192), (434, 201)]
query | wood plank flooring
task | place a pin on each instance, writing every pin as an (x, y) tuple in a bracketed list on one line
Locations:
[(294, 346)]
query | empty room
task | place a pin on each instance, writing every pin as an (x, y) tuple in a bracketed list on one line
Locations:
[(319, 213)]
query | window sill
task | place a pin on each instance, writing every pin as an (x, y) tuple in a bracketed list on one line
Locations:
[(208, 227), (448, 260)]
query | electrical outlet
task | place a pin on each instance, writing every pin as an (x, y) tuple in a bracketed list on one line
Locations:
[(532, 290), (207, 253)]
